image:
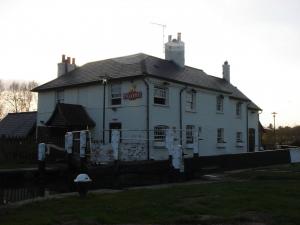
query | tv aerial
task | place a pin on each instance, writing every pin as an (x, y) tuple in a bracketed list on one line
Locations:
[(163, 26)]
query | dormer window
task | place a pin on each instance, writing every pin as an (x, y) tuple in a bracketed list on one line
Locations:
[(220, 102), (115, 94)]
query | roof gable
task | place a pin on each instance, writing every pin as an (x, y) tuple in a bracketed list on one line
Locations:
[(70, 115)]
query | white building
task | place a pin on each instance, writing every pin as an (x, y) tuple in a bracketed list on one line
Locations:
[(145, 95)]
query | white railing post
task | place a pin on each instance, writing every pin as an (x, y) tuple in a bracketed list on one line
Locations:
[(41, 157), (195, 143), (177, 158), (83, 146), (69, 142), (42, 152), (82, 143), (115, 140), (170, 142)]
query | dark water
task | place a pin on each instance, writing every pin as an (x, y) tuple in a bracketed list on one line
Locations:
[(19, 191)]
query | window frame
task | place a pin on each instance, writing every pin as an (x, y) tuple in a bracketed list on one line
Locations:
[(190, 103), (238, 109), (189, 134), (239, 137), (159, 135), (118, 99), (159, 96), (60, 96), (220, 104), (220, 135)]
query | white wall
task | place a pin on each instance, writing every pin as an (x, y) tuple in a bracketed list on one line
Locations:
[(132, 114)]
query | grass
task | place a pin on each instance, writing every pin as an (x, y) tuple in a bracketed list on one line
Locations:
[(266, 195)]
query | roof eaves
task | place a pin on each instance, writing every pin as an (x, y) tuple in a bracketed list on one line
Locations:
[(186, 83)]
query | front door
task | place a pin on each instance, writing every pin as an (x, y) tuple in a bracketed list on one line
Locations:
[(114, 126), (251, 139)]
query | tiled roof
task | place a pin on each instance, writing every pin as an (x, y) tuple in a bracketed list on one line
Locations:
[(70, 115), (141, 65), (18, 125)]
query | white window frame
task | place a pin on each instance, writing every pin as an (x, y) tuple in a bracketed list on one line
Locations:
[(189, 134), (238, 109), (60, 96), (161, 93), (220, 104), (220, 135), (239, 137), (115, 94), (190, 101), (159, 134)]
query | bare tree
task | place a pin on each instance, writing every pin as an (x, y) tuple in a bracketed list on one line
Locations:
[(1, 102), (19, 96)]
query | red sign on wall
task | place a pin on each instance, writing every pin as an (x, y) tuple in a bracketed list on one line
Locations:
[(132, 95)]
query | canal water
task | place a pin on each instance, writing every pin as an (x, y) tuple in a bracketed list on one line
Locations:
[(30, 190)]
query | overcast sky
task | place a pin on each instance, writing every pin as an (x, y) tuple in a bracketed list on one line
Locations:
[(259, 38)]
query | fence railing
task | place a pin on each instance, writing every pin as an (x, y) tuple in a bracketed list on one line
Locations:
[(18, 150)]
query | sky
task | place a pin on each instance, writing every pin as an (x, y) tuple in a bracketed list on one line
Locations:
[(259, 38)]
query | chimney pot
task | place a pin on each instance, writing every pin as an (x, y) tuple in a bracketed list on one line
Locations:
[(73, 61), (63, 58), (170, 38), (69, 60)]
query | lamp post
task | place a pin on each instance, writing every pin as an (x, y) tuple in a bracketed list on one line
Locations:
[(274, 116), (104, 79)]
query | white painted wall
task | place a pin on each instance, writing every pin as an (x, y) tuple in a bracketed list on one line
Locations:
[(132, 114)]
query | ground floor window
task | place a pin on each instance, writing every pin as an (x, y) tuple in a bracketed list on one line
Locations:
[(190, 129), (220, 135), (239, 137), (160, 133)]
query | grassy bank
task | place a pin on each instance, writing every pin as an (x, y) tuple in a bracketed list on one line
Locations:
[(265, 195)]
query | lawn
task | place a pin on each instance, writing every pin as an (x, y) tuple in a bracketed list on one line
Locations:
[(268, 195)]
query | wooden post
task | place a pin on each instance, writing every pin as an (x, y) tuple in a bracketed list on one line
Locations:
[(41, 158)]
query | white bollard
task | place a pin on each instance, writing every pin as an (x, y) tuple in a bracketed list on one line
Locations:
[(42, 152), (82, 143), (69, 142), (115, 140)]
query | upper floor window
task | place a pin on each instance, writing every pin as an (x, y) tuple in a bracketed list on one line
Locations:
[(190, 101), (160, 95), (190, 129), (60, 96), (239, 137), (220, 135), (115, 94), (220, 103), (238, 109), (160, 133)]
